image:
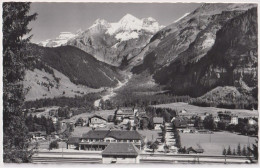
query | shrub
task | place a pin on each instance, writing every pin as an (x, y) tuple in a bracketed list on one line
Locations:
[(54, 145)]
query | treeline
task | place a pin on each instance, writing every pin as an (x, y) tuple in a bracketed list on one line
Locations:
[(130, 99), (166, 113), (176, 136), (147, 123), (238, 151), (40, 124), (86, 101), (67, 112)]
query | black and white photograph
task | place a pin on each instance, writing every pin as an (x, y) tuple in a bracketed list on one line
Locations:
[(149, 83)]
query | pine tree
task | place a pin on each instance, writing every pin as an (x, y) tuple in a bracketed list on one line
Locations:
[(234, 152), (15, 60), (224, 151), (239, 150), (229, 151), (244, 152)]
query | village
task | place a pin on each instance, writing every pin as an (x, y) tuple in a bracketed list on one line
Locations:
[(123, 134)]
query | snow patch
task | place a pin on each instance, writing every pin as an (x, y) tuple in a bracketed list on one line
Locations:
[(209, 41), (186, 14), (124, 36)]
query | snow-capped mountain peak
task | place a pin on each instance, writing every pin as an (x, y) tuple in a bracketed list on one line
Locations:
[(100, 22), (60, 40), (130, 23), (128, 18)]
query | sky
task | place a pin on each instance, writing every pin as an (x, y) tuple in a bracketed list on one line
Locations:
[(54, 18)]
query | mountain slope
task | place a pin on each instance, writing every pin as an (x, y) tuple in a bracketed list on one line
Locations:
[(216, 45), (80, 67), (40, 84), (116, 43)]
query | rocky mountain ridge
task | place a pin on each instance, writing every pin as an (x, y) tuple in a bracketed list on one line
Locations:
[(215, 45)]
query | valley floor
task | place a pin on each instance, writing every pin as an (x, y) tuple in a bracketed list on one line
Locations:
[(193, 110), (213, 144)]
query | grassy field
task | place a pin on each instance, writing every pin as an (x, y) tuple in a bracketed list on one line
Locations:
[(215, 143), (193, 110), (78, 131)]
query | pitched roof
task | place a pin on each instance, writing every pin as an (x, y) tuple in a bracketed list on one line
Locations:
[(124, 134), (117, 134), (73, 140), (95, 134), (97, 116), (119, 149), (157, 120)]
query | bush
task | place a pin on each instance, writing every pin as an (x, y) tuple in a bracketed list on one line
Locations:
[(54, 145)]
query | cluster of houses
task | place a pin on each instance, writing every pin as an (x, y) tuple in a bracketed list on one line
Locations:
[(124, 117), (186, 123)]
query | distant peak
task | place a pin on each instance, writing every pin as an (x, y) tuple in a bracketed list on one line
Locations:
[(100, 21), (151, 19), (128, 17)]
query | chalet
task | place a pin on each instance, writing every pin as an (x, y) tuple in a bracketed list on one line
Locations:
[(54, 120), (73, 142), (183, 111), (53, 112), (128, 119), (180, 123), (39, 135), (139, 111), (158, 123), (216, 119), (234, 120), (251, 121), (121, 113), (120, 153), (97, 140), (97, 121), (192, 150)]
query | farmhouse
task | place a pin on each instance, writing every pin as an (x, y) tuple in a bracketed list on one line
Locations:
[(120, 153), (97, 121), (98, 140), (158, 123)]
